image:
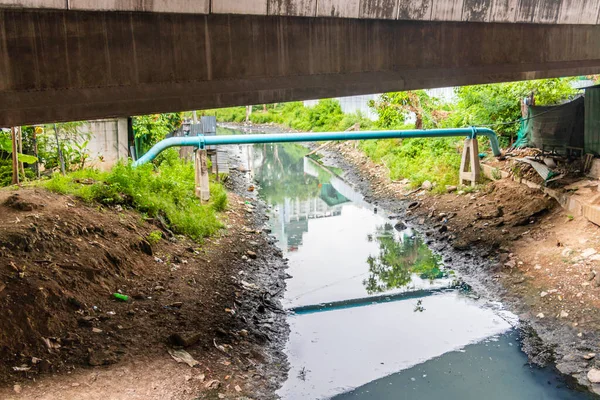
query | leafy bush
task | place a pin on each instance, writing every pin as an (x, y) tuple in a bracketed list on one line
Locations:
[(154, 237), (168, 191), (327, 115), (218, 196), (435, 160)]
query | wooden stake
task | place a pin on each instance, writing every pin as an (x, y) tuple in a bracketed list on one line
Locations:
[(35, 153), (21, 166), (216, 165), (469, 165), (202, 182), (15, 160), (61, 159)]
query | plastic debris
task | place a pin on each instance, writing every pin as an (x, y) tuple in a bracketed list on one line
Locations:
[(182, 356), (121, 297)]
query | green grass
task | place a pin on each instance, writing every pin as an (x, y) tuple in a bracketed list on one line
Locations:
[(167, 191), (327, 115), (419, 160)]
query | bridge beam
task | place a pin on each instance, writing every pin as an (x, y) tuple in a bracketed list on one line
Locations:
[(73, 65)]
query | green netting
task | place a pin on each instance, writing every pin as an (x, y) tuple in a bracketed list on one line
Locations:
[(522, 135), (553, 127)]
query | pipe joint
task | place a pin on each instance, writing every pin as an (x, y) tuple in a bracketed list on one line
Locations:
[(201, 143)]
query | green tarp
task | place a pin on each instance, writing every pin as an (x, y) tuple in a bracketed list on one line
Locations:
[(553, 127)]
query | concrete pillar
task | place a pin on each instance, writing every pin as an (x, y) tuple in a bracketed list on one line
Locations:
[(202, 182)]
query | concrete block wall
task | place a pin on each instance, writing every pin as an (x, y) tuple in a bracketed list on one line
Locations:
[(108, 142)]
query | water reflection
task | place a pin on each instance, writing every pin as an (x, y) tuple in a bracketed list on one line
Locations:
[(401, 256), (321, 222), (358, 288), (296, 194)]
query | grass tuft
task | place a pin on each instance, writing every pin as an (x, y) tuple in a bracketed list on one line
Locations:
[(166, 191)]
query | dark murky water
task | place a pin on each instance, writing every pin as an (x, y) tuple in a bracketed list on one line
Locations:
[(377, 315)]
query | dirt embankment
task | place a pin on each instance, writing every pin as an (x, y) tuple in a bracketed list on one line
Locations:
[(63, 335), (513, 244)]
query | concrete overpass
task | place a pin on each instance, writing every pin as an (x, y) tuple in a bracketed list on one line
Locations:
[(83, 59)]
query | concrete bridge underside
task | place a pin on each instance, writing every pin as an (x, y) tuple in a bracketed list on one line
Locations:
[(74, 65)]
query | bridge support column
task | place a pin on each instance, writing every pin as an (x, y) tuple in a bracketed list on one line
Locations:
[(202, 182), (469, 166)]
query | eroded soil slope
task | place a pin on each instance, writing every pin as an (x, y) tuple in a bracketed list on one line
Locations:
[(61, 261)]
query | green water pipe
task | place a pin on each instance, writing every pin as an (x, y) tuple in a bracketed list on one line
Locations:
[(202, 141)]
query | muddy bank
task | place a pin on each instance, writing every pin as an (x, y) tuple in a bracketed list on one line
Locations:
[(511, 244), (63, 334)]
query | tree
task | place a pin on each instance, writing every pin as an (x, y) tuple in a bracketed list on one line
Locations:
[(151, 129), (500, 103), (398, 260), (392, 109)]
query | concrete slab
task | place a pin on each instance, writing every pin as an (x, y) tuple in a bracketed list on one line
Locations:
[(504, 10), (576, 12), (34, 3), (525, 11), (595, 169), (477, 10), (450, 10), (379, 9), (414, 9), (572, 12), (547, 12), (166, 6), (338, 8), (302, 8), (252, 7)]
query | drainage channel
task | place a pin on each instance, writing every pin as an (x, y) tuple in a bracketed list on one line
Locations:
[(377, 314)]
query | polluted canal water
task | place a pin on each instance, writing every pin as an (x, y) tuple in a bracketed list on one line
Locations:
[(374, 314)]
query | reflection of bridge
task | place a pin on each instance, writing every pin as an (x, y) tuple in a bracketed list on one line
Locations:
[(312, 168), (293, 216)]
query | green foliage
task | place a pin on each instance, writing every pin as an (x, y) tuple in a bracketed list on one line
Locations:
[(154, 237), (419, 160), (496, 174), (232, 114), (436, 160), (392, 109), (151, 129), (218, 197), (5, 172), (168, 191), (327, 115), (281, 174), (6, 144), (398, 260), (73, 145), (500, 103)]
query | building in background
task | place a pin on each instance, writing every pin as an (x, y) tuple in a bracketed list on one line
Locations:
[(108, 143)]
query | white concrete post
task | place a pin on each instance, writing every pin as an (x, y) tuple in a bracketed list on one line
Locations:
[(469, 165)]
